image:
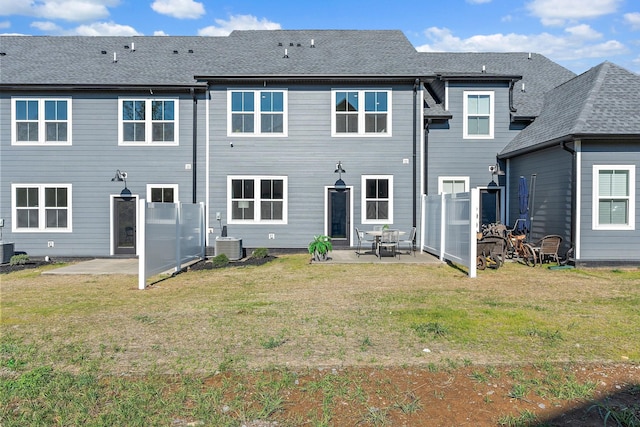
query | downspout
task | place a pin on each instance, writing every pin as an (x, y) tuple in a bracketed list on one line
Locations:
[(194, 160), (574, 206), (416, 85)]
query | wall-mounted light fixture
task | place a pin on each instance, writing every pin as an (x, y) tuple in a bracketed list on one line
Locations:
[(340, 184), (120, 177)]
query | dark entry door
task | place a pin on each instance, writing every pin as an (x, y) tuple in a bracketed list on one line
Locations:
[(490, 205), (339, 212), (124, 226)]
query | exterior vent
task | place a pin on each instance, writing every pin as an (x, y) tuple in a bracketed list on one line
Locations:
[(230, 246)]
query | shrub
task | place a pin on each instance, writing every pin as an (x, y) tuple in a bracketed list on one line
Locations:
[(260, 253), (220, 261), (21, 259)]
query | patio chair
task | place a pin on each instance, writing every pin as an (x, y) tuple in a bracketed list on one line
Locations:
[(410, 241), (389, 242), (361, 239), (546, 249)]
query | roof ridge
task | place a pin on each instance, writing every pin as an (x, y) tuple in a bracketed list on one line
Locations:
[(589, 101)]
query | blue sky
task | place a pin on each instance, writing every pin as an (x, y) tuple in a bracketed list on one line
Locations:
[(575, 33)]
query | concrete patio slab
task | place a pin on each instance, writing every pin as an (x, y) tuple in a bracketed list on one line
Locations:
[(99, 266)]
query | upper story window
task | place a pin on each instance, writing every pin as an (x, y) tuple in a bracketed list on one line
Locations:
[(361, 112), (478, 115), (257, 113), (41, 121), (453, 184), (162, 193), (377, 199), (41, 207), (261, 199), (614, 197), (148, 121)]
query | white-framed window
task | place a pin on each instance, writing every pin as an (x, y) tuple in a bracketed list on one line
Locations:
[(361, 112), (257, 113), (478, 115), (257, 199), (453, 184), (614, 197), (148, 121), (41, 207), (162, 193), (36, 121), (377, 199)]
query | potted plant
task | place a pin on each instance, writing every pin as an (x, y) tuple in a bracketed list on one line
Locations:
[(320, 247)]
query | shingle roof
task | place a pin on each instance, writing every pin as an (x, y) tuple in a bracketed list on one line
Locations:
[(600, 102), (176, 60), (539, 74)]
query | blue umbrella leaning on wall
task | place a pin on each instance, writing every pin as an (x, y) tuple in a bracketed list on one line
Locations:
[(524, 224)]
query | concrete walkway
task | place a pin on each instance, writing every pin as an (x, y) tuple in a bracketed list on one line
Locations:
[(100, 266), (130, 265)]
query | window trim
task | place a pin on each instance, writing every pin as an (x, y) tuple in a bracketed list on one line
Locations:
[(465, 115), (41, 121), (256, 198), (42, 223), (150, 187), (148, 122), (363, 200), (257, 112), (595, 196), (442, 179), (362, 114)]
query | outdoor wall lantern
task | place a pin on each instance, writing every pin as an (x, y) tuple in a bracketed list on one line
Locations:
[(340, 185), (120, 177)]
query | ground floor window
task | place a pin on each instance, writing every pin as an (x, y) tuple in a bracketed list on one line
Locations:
[(377, 199), (614, 197), (453, 184), (41, 207), (257, 199), (162, 193)]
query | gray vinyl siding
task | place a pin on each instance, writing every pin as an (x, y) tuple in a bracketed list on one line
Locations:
[(308, 157), (448, 154), (608, 245), (88, 165), (552, 200)]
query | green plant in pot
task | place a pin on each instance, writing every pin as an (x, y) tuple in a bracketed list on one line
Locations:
[(320, 247)]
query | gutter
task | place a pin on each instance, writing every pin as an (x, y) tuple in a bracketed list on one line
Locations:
[(416, 85)]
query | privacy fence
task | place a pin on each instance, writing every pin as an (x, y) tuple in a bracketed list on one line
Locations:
[(449, 226), (170, 236)]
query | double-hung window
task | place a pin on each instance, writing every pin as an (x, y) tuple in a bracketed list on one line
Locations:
[(41, 121), (162, 193), (148, 121), (257, 113), (361, 112), (257, 199), (478, 115), (41, 207), (453, 184), (614, 197), (377, 199)]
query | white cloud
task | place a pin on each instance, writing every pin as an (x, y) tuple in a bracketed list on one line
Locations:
[(558, 12), (46, 27), (69, 10), (160, 33), (5, 24), (105, 29), (584, 32), (238, 22), (633, 19), (567, 47), (181, 9)]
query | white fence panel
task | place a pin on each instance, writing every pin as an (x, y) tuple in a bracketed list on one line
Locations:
[(169, 236), (450, 223)]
